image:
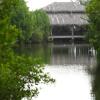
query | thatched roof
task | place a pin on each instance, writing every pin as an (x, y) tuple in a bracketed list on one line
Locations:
[(64, 7), (66, 13), (68, 19)]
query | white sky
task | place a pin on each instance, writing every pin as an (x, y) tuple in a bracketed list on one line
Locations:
[(36, 4)]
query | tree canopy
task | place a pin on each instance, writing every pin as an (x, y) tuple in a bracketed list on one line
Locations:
[(93, 12), (41, 25), (34, 26)]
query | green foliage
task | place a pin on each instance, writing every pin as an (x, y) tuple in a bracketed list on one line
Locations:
[(41, 25), (17, 73), (93, 12), (22, 19), (7, 31), (32, 25)]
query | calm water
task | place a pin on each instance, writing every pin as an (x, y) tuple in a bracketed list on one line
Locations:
[(70, 65)]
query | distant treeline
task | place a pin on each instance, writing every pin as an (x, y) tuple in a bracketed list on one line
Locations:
[(33, 26)]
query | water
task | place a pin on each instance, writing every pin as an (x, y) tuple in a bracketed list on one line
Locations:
[(70, 85), (70, 65)]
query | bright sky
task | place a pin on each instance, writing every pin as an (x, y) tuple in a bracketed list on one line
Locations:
[(36, 4)]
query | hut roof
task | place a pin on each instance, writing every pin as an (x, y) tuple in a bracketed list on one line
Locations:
[(64, 7), (66, 13), (68, 19)]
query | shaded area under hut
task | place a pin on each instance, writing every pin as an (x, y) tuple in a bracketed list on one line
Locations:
[(68, 21)]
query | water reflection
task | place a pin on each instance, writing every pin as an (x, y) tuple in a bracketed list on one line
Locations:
[(60, 54), (70, 65), (71, 54)]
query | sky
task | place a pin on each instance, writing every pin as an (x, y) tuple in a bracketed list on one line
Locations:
[(37, 4)]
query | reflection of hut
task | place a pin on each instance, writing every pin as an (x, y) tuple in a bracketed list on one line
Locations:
[(67, 20), (72, 55)]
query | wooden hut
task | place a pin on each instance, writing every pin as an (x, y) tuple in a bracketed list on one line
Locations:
[(68, 20)]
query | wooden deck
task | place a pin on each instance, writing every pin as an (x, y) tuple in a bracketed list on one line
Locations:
[(67, 37)]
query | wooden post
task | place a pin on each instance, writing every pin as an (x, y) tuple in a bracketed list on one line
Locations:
[(72, 32), (52, 33), (72, 29)]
